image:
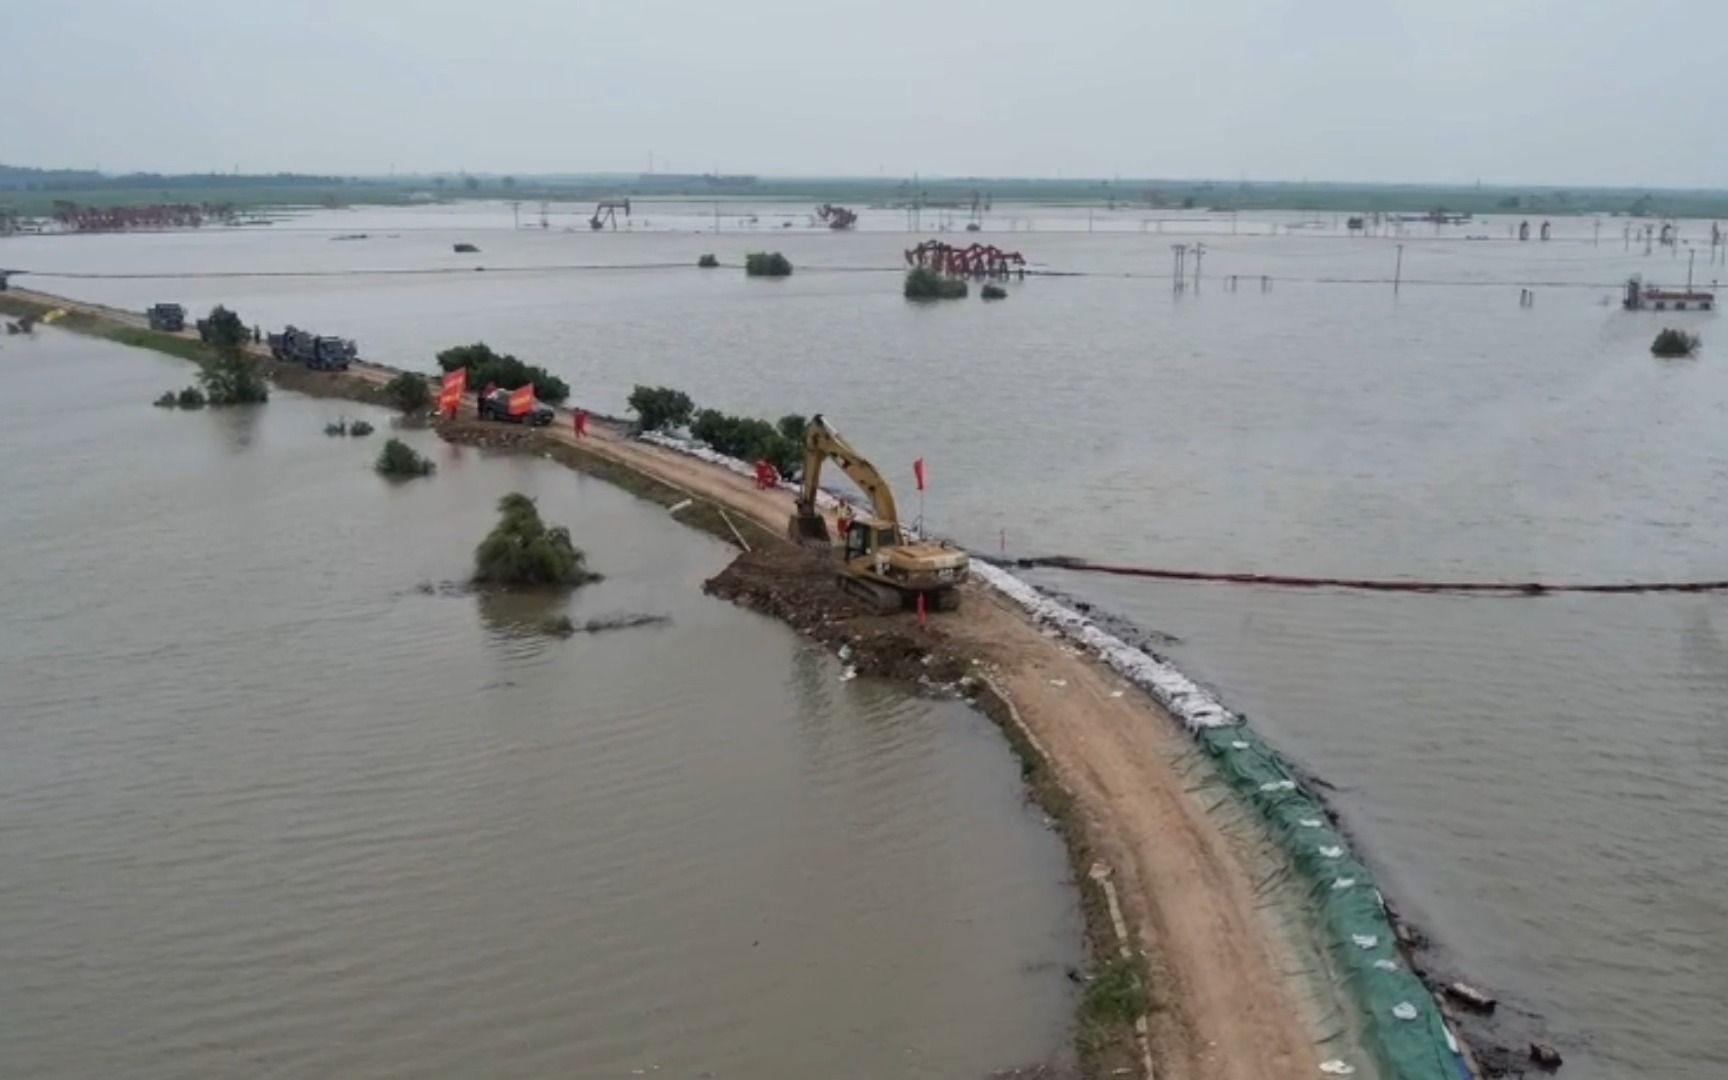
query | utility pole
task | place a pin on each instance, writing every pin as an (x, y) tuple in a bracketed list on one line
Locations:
[(1199, 253), (1691, 257), (1398, 271), (1596, 240), (1178, 279)]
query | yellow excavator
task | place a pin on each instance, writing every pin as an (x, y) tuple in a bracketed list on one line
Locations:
[(878, 562)]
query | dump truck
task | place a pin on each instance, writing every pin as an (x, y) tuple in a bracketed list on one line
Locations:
[(167, 317), (879, 562), (318, 352)]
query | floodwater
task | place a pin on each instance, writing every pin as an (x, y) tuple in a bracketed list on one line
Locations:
[(268, 808), (1542, 781)]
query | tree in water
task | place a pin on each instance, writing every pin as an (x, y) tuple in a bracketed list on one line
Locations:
[(522, 551), (230, 376)]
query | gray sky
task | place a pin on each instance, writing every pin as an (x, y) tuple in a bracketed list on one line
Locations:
[(1519, 91)]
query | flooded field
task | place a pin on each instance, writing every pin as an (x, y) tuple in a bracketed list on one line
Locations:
[(268, 807), (1540, 780)]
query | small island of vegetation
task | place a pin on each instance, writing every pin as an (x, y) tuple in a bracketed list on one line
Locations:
[(767, 264), (926, 284), (399, 460), (522, 552), (1672, 344)]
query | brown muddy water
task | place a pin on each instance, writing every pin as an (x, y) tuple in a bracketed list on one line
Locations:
[(1542, 782), (267, 808)]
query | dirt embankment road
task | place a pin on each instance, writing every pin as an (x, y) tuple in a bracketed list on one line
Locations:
[(1225, 1010)]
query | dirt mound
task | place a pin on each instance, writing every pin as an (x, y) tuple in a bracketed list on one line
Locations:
[(799, 588)]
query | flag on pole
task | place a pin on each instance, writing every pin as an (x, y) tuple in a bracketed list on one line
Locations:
[(522, 400), (918, 471), (450, 396)]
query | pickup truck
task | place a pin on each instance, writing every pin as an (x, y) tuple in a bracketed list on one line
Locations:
[(497, 407)]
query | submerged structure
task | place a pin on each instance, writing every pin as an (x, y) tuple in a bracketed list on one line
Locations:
[(1641, 297)]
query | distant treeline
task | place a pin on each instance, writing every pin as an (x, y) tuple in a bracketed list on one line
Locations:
[(955, 193), (18, 178)]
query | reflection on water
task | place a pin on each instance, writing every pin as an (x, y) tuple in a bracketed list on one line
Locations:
[(267, 808), (519, 613)]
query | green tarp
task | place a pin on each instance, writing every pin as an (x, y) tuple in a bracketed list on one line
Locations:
[(1404, 1028)]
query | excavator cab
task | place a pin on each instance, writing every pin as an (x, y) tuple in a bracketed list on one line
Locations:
[(866, 536)]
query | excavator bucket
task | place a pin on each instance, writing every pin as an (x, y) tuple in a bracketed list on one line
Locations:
[(809, 528)]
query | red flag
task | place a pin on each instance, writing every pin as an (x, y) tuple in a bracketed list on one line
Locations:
[(449, 402), (921, 619), (522, 400), (456, 382), (918, 471)]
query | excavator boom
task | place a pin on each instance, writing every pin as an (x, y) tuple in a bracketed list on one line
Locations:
[(822, 442)]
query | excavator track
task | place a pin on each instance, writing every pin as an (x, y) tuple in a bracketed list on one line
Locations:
[(881, 597)]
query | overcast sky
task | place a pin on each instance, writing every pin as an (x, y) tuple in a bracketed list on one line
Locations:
[(1506, 91)]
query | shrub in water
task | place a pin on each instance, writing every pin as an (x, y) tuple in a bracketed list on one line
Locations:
[(993, 292), (1675, 343), (168, 400), (359, 429), (767, 264), (708, 262), (399, 459), (927, 284), (408, 392), (521, 550), (191, 398), (502, 370), (340, 427)]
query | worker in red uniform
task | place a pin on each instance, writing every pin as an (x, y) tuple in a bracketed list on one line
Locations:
[(581, 422)]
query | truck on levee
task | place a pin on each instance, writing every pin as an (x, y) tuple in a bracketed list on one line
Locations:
[(316, 351), (879, 561), (496, 406), (166, 317)]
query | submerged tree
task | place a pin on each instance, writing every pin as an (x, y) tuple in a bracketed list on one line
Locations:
[(399, 459), (1672, 344), (230, 376), (767, 264), (926, 284), (521, 550)]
